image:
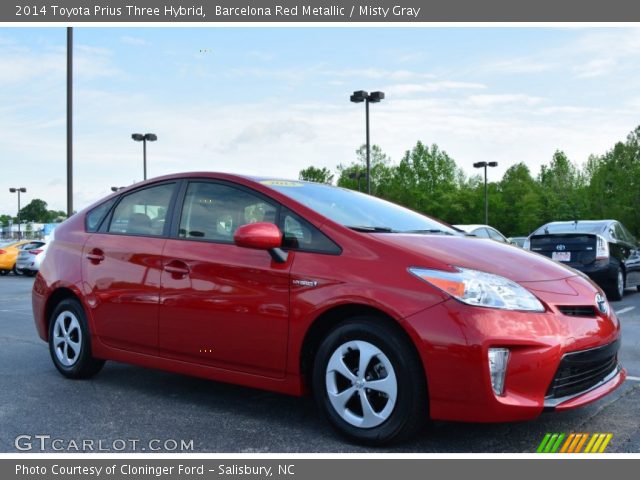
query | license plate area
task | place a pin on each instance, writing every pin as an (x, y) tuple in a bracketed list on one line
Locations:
[(561, 256)]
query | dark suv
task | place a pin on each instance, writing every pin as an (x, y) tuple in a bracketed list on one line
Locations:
[(603, 249)]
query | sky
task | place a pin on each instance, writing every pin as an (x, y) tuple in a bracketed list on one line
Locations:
[(274, 100)]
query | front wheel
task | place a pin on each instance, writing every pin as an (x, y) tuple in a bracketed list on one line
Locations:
[(4, 272), (70, 341), (369, 382)]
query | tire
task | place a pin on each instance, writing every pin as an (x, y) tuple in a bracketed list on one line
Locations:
[(4, 272), (616, 290), (393, 415), (16, 271), (29, 273), (70, 341)]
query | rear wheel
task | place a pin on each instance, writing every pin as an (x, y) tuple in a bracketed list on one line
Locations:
[(70, 341), (369, 382), (616, 290), (4, 272)]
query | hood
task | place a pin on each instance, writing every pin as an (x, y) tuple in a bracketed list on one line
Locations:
[(441, 251)]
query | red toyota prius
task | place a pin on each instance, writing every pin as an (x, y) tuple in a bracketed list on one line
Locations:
[(389, 317)]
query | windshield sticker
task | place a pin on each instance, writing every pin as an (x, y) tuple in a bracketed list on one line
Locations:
[(282, 183)]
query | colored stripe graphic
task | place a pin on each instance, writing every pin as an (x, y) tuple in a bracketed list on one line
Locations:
[(574, 443), (567, 443), (581, 442), (607, 439)]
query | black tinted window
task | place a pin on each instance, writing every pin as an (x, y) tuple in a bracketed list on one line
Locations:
[(630, 238), (143, 212), (571, 227), (94, 217), (213, 211), (301, 235), (619, 233)]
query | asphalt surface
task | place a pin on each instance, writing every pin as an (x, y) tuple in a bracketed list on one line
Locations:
[(127, 408)]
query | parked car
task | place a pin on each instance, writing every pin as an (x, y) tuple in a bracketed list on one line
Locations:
[(29, 260), (603, 249), (9, 254), (483, 231), (387, 316), (517, 241)]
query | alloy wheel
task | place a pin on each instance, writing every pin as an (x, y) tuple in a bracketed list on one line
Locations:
[(67, 338), (361, 384)]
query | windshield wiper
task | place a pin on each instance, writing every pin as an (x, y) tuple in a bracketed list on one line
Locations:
[(364, 228), (428, 230)]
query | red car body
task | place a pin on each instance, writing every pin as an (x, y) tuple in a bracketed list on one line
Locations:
[(234, 314)]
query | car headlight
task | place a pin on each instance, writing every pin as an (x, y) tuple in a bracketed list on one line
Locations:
[(481, 289)]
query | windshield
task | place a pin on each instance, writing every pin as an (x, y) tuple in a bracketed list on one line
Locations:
[(356, 210), (570, 227)]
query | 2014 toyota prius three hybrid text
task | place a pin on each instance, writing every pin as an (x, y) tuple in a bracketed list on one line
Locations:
[(388, 316)]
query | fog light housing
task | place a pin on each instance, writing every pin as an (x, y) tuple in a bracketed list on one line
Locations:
[(498, 359)]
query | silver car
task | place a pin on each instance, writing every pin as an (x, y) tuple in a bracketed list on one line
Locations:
[(30, 259)]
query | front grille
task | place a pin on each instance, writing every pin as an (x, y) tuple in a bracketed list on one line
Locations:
[(578, 310), (579, 371)]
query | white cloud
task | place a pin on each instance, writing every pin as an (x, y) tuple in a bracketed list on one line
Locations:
[(520, 65), (504, 98), (137, 41), (404, 89), (595, 67)]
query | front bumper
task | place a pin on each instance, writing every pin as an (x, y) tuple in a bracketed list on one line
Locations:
[(605, 386), (454, 340)]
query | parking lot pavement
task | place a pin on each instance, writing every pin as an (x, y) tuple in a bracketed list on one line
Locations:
[(126, 405)]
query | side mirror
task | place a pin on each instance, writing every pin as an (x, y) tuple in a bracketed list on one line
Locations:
[(261, 236)]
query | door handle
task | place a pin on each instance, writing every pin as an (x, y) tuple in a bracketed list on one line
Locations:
[(177, 268), (95, 256)]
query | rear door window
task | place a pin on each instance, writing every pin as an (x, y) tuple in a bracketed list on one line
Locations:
[(143, 212), (95, 217)]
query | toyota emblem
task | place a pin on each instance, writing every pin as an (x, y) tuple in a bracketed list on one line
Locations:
[(561, 246)]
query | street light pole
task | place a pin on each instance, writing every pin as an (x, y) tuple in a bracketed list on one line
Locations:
[(360, 96), (486, 193), (18, 191), (138, 137), (69, 122)]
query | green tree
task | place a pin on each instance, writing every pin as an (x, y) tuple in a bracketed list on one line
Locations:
[(560, 186), (613, 189), (427, 180), (381, 171), (56, 216), (35, 211), (314, 174), (521, 202), (4, 219)]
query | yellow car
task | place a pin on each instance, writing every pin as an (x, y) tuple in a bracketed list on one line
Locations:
[(9, 254)]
